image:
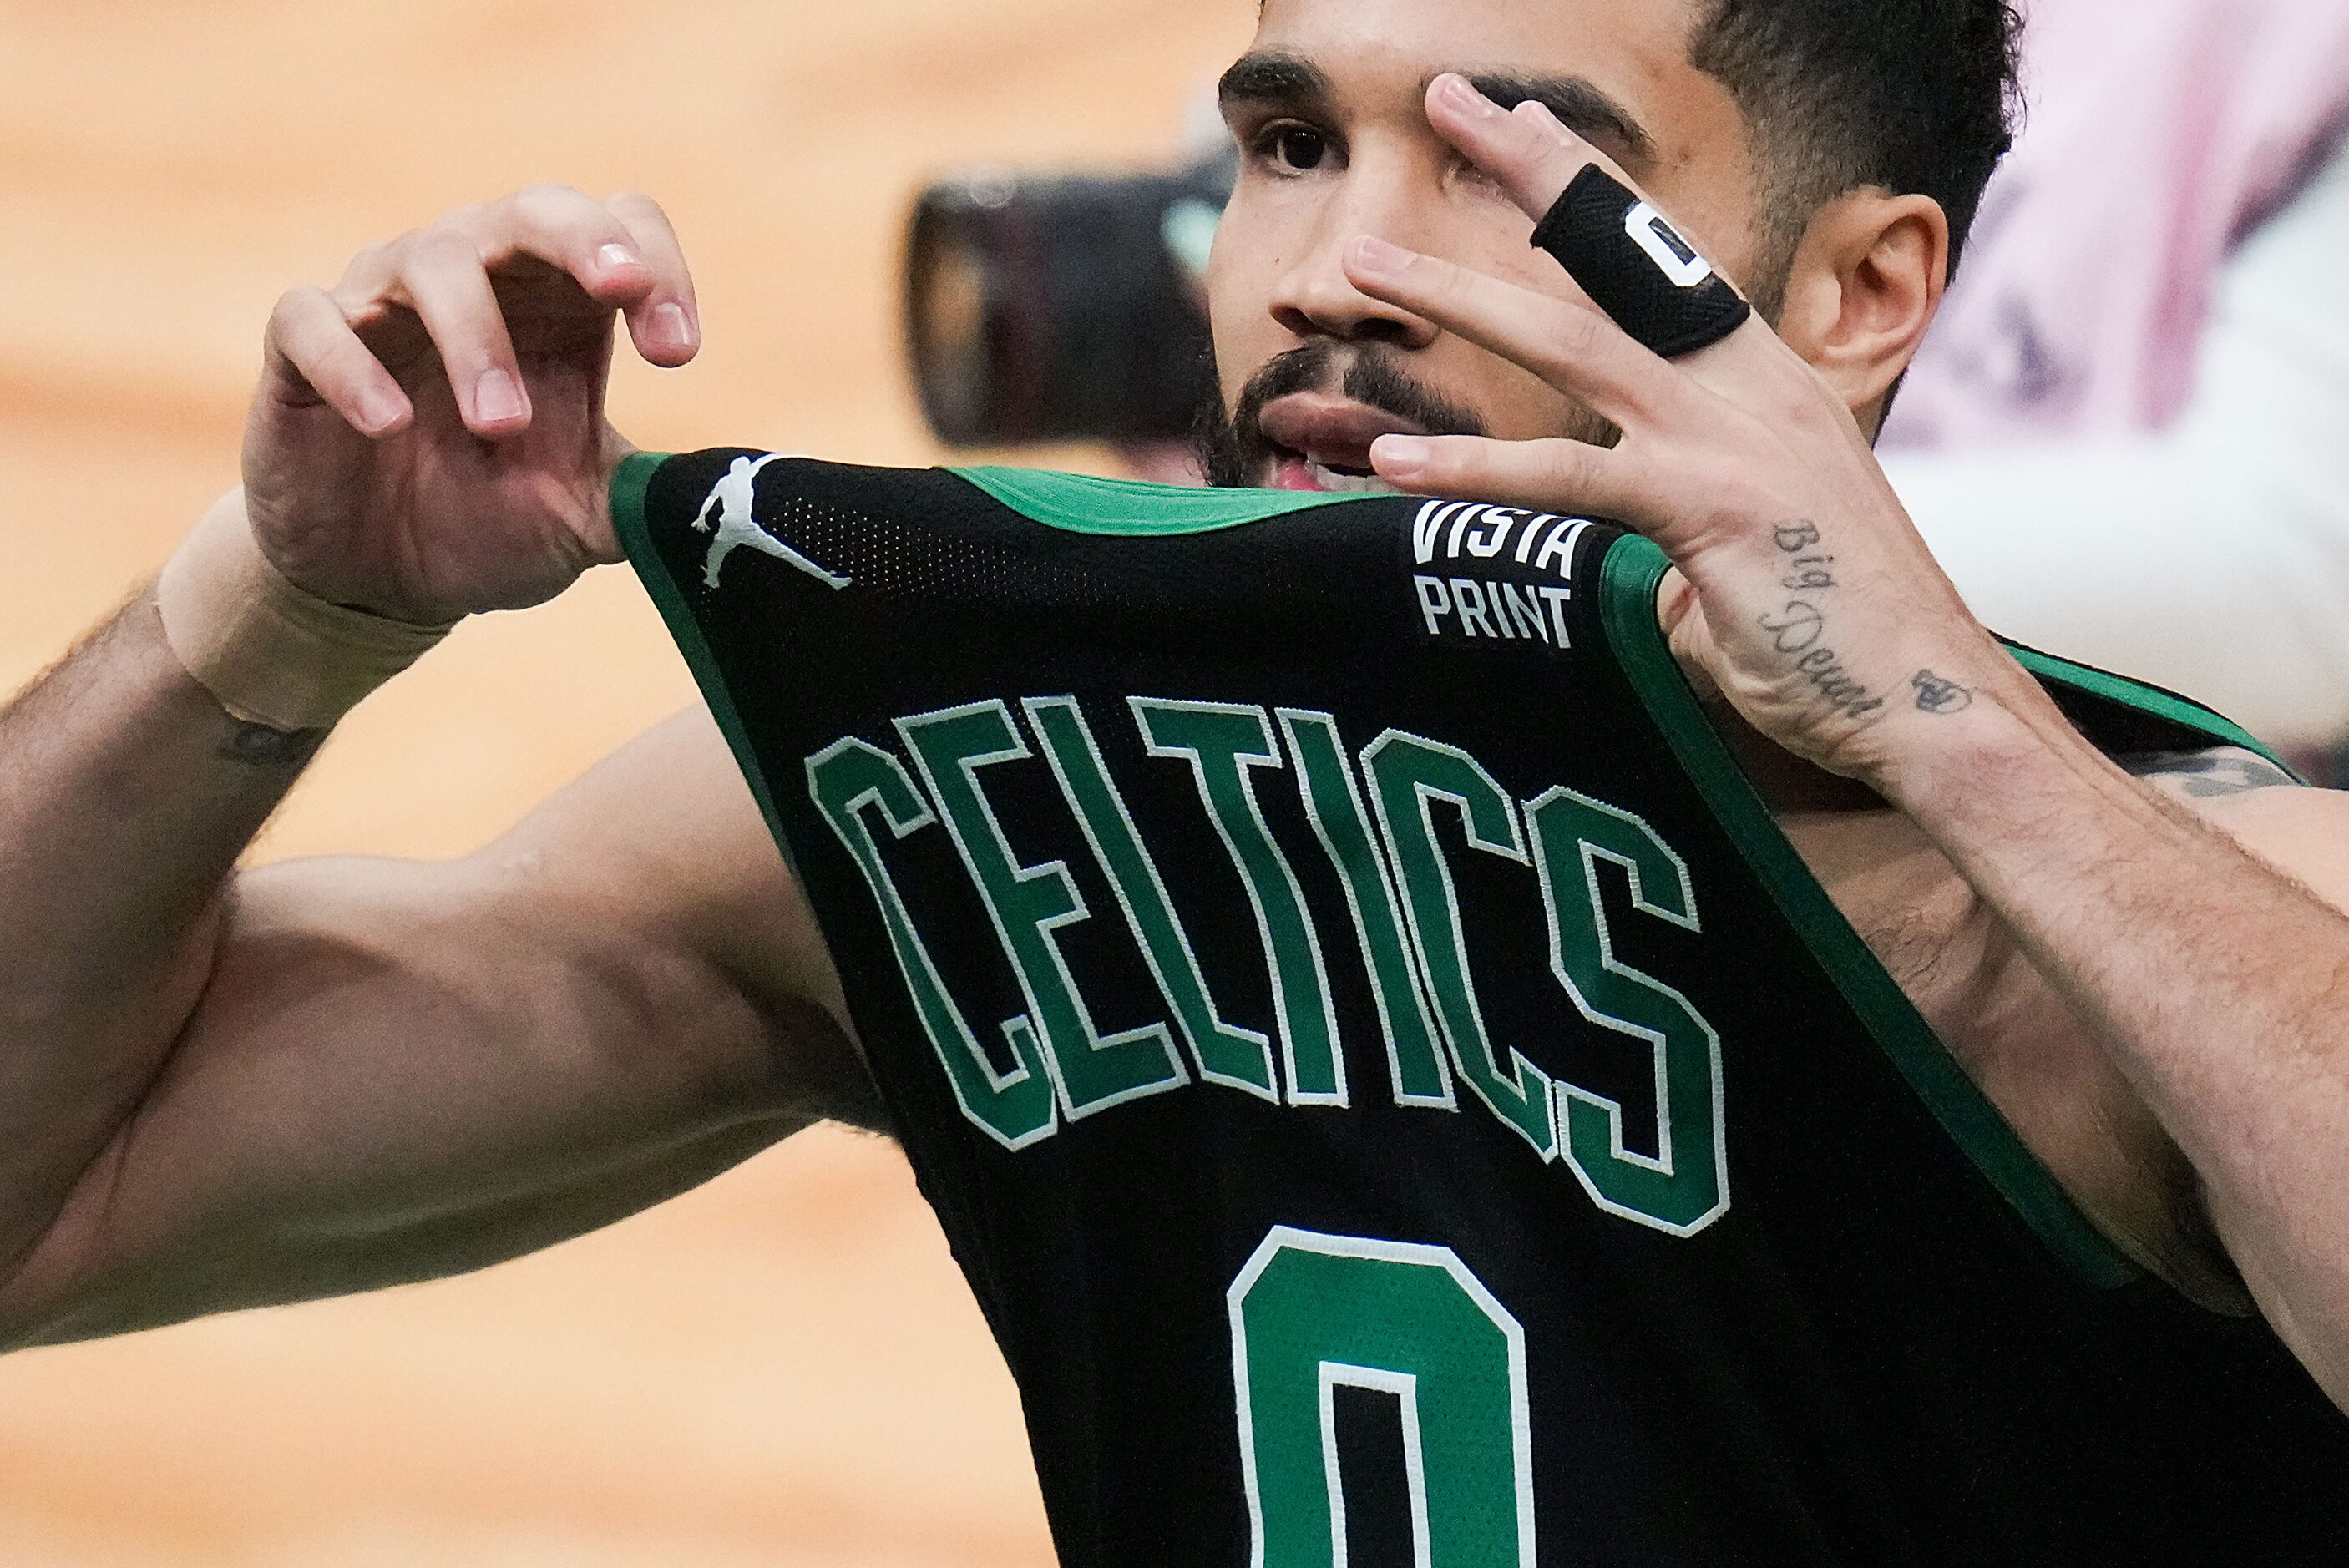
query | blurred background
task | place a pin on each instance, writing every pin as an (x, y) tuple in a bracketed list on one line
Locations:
[(782, 1369), (2126, 441)]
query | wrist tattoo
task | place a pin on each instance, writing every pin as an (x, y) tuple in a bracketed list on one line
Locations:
[(258, 746), (1935, 694)]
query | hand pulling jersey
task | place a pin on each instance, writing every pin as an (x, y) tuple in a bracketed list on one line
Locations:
[(1396, 1095)]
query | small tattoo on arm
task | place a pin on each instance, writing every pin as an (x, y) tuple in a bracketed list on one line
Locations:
[(1935, 694), (2207, 775), (258, 746)]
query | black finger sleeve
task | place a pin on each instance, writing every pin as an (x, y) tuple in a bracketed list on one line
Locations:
[(1636, 267)]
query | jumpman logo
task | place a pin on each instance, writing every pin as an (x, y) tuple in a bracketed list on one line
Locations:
[(733, 498)]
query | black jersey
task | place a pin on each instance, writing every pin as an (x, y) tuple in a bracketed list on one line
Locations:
[(1395, 1093)]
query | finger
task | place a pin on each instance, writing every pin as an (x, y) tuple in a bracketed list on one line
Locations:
[(1627, 257), (665, 324), (311, 349), (1526, 151), (1552, 474), (554, 224), (442, 278), (571, 231), (1571, 346), (371, 272)]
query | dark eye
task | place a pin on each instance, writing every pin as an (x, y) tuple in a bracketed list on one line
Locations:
[(1297, 148)]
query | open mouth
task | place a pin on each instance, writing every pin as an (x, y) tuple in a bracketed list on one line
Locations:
[(1322, 443), (1293, 470)]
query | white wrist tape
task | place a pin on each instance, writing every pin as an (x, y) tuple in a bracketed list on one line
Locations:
[(271, 652)]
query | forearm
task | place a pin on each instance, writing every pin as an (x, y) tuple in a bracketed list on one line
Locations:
[(128, 796), (2219, 985)]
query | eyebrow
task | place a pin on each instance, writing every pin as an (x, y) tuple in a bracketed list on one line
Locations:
[(1579, 104), (1270, 77), (1267, 78)]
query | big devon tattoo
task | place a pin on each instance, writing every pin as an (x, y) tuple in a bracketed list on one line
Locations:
[(1799, 630)]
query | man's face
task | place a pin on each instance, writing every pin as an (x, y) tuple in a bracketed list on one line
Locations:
[(1328, 110)]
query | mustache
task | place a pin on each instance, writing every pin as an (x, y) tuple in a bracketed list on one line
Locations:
[(1233, 449)]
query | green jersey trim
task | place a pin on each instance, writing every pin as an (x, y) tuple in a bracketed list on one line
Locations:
[(1629, 578), (1127, 507), (2178, 710), (630, 483)]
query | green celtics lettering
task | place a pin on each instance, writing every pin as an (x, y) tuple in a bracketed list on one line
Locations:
[(1388, 820)]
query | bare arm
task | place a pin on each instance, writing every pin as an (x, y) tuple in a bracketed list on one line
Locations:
[(217, 1089), (340, 1075), (2211, 959), (127, 798)]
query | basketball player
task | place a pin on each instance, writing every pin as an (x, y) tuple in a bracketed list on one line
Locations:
[(1397, 1091)]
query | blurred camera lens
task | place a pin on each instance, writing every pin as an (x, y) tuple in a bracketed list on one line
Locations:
[(1047, 308)]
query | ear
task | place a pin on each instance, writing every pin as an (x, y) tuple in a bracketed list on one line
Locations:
[(1866, 283)]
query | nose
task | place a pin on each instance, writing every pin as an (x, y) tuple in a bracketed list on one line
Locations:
[(1314, 298)]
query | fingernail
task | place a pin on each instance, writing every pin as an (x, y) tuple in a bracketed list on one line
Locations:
[(1543, 116), (1399, 457), (1374, 256), (613, 257), (671, 326), (379, 410), (1462, 95), (497, 398)]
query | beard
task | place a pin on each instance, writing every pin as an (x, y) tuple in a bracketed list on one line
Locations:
[(1234, 453)]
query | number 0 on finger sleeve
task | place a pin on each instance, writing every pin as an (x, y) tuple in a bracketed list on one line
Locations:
[(1637, 268)]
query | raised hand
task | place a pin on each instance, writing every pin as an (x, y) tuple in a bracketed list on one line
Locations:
[(428, 438), (1803, 592)]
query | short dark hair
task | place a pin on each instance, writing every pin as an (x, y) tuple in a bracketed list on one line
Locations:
[(1912, 95)]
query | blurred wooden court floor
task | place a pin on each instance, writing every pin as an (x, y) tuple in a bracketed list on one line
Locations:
[(782, 1369)]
